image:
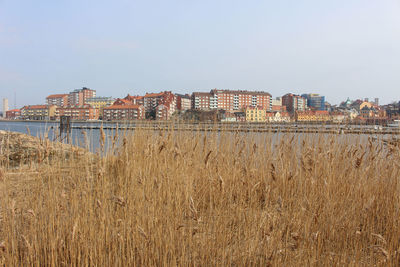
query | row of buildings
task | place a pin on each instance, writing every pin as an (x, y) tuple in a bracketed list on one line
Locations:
[(159, 106), (232, 101), (83, 104), (237, 105)]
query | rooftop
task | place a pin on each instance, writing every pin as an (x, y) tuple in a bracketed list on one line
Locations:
[(154, 94), (57, 96), (36, 107), (238, 92), (123, 107)]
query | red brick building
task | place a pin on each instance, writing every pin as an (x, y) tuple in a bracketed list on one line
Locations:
[(294, 103), (78, 97), (60, 100), (152, 100), (122, 102), (230, 100), (167, 102), (13, 114), (122, 112), (87, 93), (136, 100), (201, 101), (78, 112)]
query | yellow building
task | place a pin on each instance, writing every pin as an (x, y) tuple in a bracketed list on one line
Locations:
[(38, 112), (255, 114), (365, 104), (100, 102)]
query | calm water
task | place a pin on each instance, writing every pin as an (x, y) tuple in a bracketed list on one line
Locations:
[(91, 138), (83, 138)]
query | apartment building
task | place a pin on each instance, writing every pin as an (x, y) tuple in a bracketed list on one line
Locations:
[(13, 114), (294, 103), (360, 104), (136, 99), (38, 112), (368, 112), (152, 100), (201, 101), (86, 112), (276, 105), (100, 103), (60, 100), (315, 101), (238, 100), (393, 110), (165, 99), (129, 100), (255, 114), (78, 97), (87, 93), (277, 101), (162, 112), (75, 98), (183, 102), (231, 100), (121, 112)]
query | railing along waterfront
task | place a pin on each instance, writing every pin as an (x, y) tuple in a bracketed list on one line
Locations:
[(246, 127)]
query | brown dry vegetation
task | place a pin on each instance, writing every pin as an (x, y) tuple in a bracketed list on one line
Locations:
[(180, 198), (18, 149)]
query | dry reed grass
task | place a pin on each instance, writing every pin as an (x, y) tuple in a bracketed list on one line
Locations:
[(180, 198), (18, 149)]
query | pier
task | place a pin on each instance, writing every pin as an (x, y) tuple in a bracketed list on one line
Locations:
[(238, 127)]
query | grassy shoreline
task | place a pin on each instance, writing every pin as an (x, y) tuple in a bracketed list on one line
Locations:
[(180, 198)]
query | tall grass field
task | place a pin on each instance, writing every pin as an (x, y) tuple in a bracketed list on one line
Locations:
[(176, 198)]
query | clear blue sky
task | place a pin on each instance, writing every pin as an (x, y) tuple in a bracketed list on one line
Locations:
[(339, 48)]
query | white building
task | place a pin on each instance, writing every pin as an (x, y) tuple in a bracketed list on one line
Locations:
[(5, 107), (276, 102), (278, 117)]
